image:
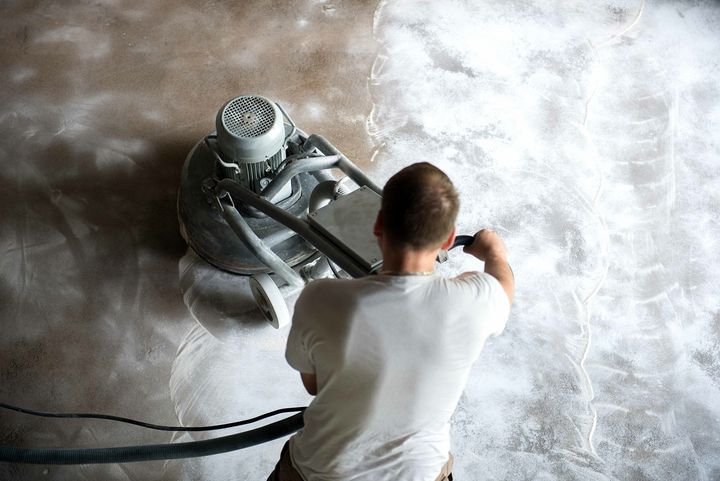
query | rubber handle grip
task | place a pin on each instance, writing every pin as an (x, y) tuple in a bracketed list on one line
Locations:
[(462, 240)]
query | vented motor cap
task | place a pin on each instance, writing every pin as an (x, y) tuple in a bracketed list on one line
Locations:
[(249, 129)]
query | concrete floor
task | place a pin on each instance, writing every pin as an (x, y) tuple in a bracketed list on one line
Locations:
[(101, 101), (584, 133)]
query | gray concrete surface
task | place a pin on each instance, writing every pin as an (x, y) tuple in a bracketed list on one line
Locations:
[(101, 101), (584, 132)]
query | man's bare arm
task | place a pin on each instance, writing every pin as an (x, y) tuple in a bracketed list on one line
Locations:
[(310, 382), (489, 248), (499, 268)]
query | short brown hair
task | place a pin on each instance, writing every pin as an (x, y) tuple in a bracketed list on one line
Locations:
[(419, 207)]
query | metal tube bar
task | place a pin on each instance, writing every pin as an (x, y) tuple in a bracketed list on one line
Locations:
[(258, 248), (333, 159), (295, 167), (228, 165), (320, 242), (322, 175), (344, 164), (290, 121)]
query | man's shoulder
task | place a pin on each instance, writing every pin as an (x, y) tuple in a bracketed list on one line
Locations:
[(485, 293), (325, 301), (481, 286), (476, 278), (326, 284), (328, 289), (471, 281)]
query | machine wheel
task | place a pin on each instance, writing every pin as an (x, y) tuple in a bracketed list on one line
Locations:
[(269, 300)]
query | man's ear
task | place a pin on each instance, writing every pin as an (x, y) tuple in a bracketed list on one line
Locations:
[(377, 229), (449, 241)]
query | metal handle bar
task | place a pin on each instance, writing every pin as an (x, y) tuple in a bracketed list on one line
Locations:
[(462, 240)]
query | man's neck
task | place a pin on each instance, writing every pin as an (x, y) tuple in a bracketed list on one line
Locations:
[(408, 261)]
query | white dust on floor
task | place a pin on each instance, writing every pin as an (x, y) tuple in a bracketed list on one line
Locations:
[(582, 135)]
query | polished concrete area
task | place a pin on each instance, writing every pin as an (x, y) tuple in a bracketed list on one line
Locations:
[(584, 132)]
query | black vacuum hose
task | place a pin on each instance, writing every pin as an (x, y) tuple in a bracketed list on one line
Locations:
[(153, 452)]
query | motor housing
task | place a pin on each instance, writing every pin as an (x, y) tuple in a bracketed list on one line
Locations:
[(251, 139)]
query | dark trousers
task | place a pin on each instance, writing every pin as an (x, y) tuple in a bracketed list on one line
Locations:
[(284, 470)]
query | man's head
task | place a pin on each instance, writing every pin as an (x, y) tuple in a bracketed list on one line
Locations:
[(418, 210)]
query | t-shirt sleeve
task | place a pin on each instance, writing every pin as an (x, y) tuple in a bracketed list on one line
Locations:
[(492, 299), (499, 305), (297, 352)]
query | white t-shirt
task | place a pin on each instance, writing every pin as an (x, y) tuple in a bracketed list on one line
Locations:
[(392, 355)]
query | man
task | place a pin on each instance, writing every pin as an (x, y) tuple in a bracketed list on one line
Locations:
[(388, 356)]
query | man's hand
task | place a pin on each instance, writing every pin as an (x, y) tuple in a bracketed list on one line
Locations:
[(486, 243), (489, 248)]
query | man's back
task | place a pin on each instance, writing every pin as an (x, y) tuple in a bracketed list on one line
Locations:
[(391, 355)]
